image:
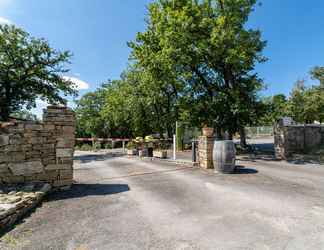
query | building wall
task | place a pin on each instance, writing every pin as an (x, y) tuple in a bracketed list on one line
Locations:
[(39, 151)]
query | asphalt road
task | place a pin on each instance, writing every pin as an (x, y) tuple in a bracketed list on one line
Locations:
[(122, 203)]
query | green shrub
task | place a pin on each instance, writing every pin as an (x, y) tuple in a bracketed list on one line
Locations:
[(86, 147), (131, 145)]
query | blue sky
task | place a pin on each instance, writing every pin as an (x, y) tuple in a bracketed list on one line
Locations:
[(96, 31)]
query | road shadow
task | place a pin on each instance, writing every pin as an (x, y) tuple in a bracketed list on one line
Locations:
[(97, 157), (83, 190), (264, 148), (272, 158), (244, 170), (254, 157)]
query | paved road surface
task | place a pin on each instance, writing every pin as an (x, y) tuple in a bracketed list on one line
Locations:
[(123, 203)]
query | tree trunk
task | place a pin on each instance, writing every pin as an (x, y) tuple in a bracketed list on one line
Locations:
[(4, 113), (5, 103), (242, 137)]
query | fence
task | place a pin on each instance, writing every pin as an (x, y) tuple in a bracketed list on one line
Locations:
[(253, 132), (97, 143)]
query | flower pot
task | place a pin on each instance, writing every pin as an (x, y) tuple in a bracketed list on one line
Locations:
[(160, 154), (207, 131)]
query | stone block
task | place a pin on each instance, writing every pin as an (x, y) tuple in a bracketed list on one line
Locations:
[(64, 143), (4, 157), (58, 167), (36, 127), (64, 152), (4, 140), (4, 170), (36, 140), (16, 156), (68, 130), (48, 127), (26, 168), (64, 160), (66, 174)]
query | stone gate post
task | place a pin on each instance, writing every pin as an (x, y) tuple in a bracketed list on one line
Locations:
[(205, 152), (60, 121)]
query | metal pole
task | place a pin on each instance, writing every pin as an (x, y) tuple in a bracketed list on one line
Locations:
[(176, 133), (174, 148), (123, 146), (194, 151)]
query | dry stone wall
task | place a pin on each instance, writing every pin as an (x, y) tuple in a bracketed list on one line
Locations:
[(205, 152), (298, 139), (39, 151)]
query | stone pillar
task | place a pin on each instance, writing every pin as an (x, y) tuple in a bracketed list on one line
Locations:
[(60, 122), (205, 152)]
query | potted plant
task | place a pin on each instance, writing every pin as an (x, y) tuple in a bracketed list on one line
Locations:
[(161, 151), (143, 152), (131, 149), (142, 149), (149, 143)]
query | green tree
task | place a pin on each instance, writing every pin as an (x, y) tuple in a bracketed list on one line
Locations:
[(314, 105), (88, 114), (30, 69), (275, 108), (202, 52), (317, 73), (296, 103)]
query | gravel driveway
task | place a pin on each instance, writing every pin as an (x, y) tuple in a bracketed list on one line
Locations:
[(121, 203)]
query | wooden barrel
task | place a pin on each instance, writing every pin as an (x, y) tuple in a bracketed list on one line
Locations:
[(224, 156)]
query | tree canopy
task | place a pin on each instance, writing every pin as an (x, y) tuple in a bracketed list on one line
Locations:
[(200, 56), (30, 69)]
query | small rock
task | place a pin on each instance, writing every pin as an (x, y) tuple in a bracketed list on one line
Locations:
[(12, 193), (3, 200), (20, 194), (30, 196), (12, 200), (8, 208)]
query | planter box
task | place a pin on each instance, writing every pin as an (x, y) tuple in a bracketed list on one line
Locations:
[(131, 152), (143, 153), (160, 154)]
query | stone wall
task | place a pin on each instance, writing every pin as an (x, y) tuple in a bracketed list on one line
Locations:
[(39, 151), (298, 139), (205, 151)]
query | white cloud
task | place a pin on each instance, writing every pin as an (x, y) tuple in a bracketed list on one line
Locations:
[(80, 85), (4, 21)]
